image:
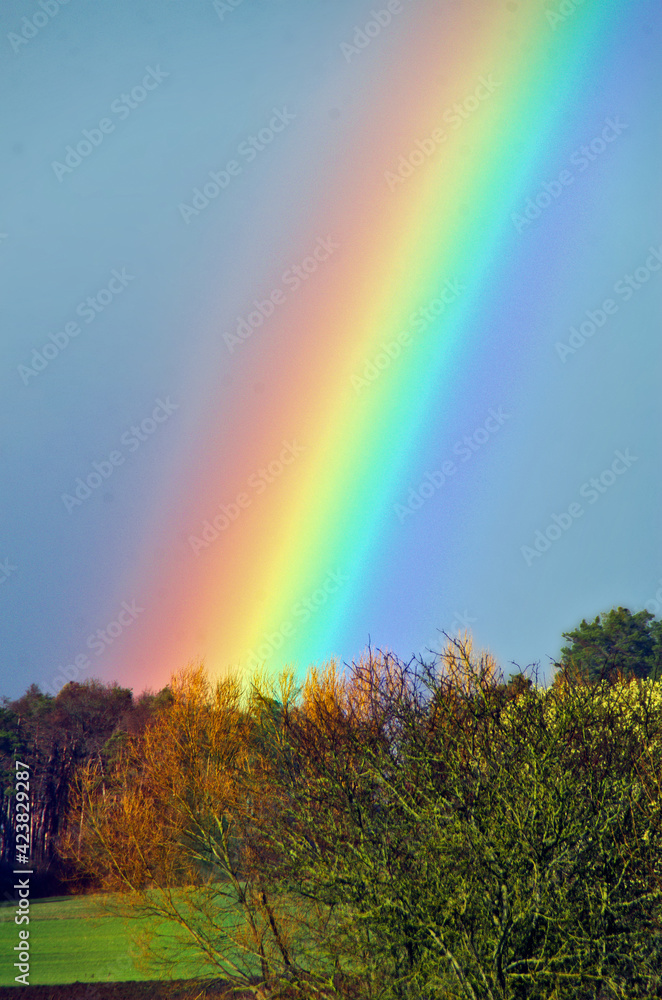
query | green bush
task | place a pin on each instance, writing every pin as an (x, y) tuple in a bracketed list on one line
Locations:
[(477, 840)]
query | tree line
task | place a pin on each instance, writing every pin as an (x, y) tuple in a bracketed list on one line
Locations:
[(419, 830), (56, 736)]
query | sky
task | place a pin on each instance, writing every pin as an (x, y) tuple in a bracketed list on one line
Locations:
[(324, 323)]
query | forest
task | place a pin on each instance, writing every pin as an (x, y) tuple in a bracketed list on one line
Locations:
[(393, 829)]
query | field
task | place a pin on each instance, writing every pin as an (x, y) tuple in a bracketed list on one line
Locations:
[(73, 939)]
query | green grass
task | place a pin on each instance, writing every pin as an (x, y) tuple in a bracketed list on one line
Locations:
[(83, 939), (73, 939)]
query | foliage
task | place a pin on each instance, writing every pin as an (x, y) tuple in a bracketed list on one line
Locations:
[(173, 829), (617, 643), (56, 736), (481, 845), (418, 830), (400, 830)]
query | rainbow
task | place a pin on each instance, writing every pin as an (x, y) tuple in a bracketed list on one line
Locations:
[(385, 303)]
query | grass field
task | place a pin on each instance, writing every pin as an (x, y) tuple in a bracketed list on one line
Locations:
[(73, 939)]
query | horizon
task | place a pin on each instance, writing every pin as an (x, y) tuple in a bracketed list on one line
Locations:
[(325, 325)]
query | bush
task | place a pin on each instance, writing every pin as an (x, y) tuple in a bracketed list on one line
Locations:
[(400, 830)]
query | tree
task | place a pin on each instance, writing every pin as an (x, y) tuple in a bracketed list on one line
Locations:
[(397, 831), (173, 829), (56, 736), (616, 642), (478, 845)]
